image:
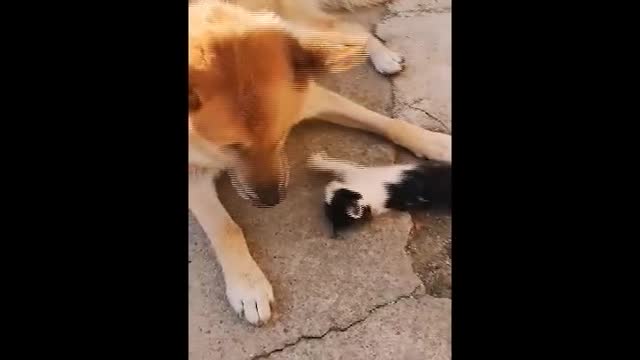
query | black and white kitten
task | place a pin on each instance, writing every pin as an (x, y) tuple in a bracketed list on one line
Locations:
[(363, 192)]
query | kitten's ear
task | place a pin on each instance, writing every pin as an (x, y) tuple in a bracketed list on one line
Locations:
[(355, 211)]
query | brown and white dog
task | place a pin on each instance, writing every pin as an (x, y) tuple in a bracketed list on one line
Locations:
[(252, 67)]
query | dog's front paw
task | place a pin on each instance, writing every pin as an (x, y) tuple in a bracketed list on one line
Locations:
[(437, 147), (250, 293), (423, 143), (387, 62)]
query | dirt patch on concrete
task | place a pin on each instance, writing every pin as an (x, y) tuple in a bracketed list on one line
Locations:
[(430, 250)]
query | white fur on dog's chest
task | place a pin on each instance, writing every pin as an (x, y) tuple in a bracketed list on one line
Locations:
[(211, 161), (199, 158), (205, 155)]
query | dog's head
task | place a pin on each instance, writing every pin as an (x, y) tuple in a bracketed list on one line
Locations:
[(248, 78)]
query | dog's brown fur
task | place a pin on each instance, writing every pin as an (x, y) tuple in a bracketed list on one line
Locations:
[(255, 107), (250, 81)]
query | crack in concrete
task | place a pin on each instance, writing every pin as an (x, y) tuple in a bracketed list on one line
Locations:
[(414, 294), (423, 11), (413, 233), (410, 238), (392, 112), (391, 109), (413, 12), (430, 116)]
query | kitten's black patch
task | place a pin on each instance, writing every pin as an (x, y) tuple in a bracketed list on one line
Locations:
[(427, 186), (337, 210)]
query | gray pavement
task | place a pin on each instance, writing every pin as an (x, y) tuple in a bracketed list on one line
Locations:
[(383, 291)]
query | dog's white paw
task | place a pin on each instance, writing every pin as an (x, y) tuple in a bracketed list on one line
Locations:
[(250, 294), (437, 147), (423, 143), (387, 62)]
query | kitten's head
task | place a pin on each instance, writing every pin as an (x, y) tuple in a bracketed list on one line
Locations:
[(344, 207)]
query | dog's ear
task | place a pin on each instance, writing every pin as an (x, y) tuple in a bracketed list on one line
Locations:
[(315, 53)]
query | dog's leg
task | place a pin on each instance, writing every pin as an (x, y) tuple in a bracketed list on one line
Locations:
[(326, 105), (385, 60), (248, 290), (308, 13)]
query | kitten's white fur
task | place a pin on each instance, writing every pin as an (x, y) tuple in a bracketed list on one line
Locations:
[(368, 181)]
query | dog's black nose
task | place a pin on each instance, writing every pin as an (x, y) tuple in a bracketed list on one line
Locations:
[(269, 196)]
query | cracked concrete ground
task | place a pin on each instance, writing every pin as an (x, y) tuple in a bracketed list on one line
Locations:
[(383, 291)]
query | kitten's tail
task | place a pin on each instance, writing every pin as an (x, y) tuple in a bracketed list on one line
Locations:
[(321, 162)]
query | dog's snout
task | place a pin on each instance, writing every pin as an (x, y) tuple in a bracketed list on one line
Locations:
[(269, 196)]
